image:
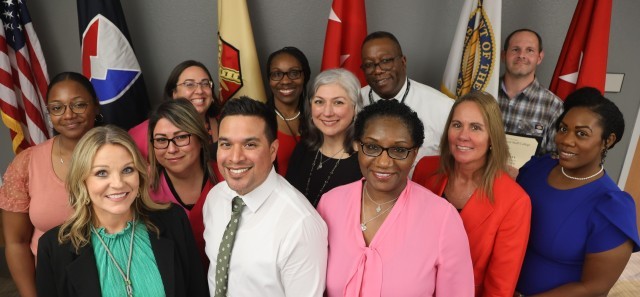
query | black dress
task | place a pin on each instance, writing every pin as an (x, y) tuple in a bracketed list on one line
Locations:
[(313, 183)]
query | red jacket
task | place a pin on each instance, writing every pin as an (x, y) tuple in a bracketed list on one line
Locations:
[(498, 232)]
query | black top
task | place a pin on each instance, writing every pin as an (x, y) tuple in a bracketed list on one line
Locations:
[(300, 173), (63, 272)]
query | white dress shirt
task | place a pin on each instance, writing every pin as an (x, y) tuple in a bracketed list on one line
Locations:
[(432, 106), (280, 247)]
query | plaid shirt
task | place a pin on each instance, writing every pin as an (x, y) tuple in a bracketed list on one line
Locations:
[(532, 112)]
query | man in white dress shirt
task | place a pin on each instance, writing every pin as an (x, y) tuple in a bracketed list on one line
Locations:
[(385, 68), (280, 246)]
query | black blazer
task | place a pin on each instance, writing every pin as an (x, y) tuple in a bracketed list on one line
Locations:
[(62, 272)]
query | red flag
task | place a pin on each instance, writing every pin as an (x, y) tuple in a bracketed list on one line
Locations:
[(583, 60), (346, 29), (23, 78)]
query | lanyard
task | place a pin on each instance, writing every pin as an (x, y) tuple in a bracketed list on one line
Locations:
[(406, 92)]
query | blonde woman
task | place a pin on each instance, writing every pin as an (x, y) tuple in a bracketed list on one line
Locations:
[(118, 242)]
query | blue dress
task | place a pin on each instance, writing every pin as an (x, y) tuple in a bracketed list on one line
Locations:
[(568, 224)]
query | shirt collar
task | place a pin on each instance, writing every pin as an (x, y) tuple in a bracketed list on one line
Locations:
[(260, 194), (377, 97), (534, 85)]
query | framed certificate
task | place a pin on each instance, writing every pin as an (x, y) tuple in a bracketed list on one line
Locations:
[(522, 148)]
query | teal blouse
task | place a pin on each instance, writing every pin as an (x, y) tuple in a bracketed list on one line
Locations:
[(145, 276)]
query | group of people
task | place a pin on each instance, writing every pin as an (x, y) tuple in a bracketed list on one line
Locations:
[(393, 189)]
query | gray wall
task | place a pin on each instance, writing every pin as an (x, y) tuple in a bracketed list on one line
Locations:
[(166, 32)]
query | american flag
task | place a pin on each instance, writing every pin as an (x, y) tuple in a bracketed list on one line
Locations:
[(23, 77)]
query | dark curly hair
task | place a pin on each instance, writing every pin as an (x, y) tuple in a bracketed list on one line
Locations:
[(391, 109), (609, 116)]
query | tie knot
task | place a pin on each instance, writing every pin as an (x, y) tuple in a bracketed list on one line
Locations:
[(237, 205)]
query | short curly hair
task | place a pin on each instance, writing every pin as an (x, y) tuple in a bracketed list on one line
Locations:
[(610, 116), (391, 109)]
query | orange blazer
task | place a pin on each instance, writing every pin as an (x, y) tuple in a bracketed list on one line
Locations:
[(498, 232)]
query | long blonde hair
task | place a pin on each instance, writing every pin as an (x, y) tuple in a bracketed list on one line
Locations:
[(77, 229), (498, 154)]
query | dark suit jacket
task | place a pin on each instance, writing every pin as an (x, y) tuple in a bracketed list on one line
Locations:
[(62, 272)]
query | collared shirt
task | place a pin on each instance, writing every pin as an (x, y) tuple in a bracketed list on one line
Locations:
[(280, 247), (432, 107), (532, 112)]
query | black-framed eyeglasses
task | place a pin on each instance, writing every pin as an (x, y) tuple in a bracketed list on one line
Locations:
[(59, 109), (178, 140), (385, 64), (192, 85), (394, 152), (279, 75)]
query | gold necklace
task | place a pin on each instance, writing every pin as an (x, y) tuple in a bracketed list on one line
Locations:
[(60, 151)]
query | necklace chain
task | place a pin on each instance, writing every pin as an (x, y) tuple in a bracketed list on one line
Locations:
[(581, 178), (126, 278), (332, 156), (378, 208), (60, 150), (306, 193), (363, 225), (287, 119)]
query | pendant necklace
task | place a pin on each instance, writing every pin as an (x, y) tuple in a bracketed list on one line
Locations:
[(60, 151), (306, 193), (378, 208), (581, 178), (363, 225), (322, 162), (126, 278)]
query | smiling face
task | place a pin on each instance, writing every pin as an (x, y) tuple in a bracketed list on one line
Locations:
[(201, 97), (332, 111), (468, 135), (388, 83), (579, 142), (245, 156), (113, 183), (176, 160), (286, 91), (69, 124), (384, 174), (523, 55)]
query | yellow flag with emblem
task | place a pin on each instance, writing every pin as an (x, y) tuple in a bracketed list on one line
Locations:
[(238, 66)]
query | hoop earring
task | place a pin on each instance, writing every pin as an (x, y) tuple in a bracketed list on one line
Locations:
[(99, 119)]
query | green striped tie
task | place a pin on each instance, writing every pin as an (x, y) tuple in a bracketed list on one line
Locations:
[(226, 245)]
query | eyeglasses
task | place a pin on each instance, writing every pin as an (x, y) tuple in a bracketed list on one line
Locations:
[(396, 152), (192, 85), (59, 109), (279, 75), (178, 140), (385, 65)]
